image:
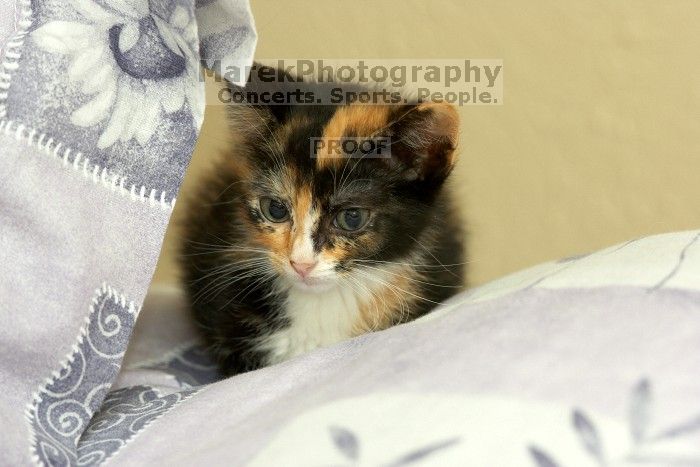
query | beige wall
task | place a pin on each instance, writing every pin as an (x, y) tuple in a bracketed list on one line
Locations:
[(599, 137)]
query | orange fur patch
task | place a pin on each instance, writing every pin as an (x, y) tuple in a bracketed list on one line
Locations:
[(280, 240), (277, 241), (388, 304), (337, 253), (351, 120)]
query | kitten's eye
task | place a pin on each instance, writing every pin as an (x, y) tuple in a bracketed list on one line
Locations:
[(274, 210), (352, 219)]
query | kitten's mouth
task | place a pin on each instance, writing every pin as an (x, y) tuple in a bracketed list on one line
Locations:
[(312, 283)]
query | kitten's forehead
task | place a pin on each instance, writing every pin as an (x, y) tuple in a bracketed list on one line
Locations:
[(291, 166), (308, 138), (364, 121)]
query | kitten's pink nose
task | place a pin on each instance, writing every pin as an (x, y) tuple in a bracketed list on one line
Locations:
[(303, 269)]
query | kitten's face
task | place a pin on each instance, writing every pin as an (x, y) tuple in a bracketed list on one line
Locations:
[(312, 232), (329, 220)]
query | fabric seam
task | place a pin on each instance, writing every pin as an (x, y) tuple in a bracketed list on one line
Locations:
[(31, 407), (13, 51), (81, 164)]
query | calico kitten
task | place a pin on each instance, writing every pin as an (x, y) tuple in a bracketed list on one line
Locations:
[(287, 249)]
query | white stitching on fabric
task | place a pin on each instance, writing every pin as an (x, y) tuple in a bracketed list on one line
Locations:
[(30, 409), (9, 64), (96, 173), (13, 51)]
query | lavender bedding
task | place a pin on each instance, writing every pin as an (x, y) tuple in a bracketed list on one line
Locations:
[(587, 361), (100, 105)]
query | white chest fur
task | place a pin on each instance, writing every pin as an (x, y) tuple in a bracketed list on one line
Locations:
[(318, 319)]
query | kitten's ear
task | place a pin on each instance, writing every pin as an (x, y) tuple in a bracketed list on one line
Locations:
[(248, 106), (424, 141), (247, 111), (249, 120)]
